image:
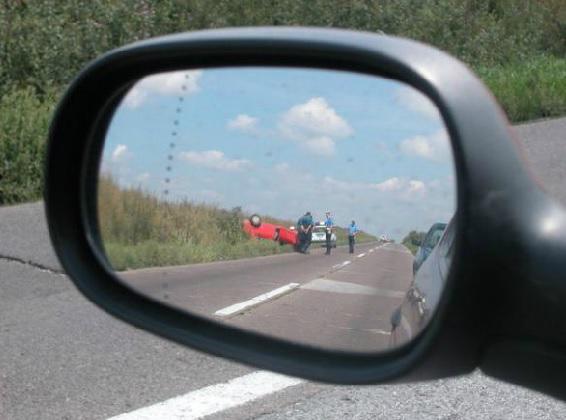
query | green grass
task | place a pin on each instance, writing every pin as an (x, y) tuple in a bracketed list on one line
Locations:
[(529, 90), (139, 230), (24, 121), (516, 47), (152, 253), (408, 240)]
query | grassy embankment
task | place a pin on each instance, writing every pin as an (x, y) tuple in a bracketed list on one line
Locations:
[(24, 118), (517, 48), (139, 230)]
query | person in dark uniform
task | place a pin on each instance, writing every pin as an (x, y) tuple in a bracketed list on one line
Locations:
[(352, 232), (305, 226), (329, 226)]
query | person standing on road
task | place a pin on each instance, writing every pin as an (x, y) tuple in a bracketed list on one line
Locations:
[(305, 226), (352, 232), (329, 226)]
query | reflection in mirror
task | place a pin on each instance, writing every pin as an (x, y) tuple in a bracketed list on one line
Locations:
[(306, 204)]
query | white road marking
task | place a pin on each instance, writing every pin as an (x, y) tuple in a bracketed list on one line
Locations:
[(342, 264), (371, 330), (215, 398), (363, 254), (378, 331), (334, 286), (239, 307)]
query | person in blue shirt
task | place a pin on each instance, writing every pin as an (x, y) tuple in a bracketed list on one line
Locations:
[(304, 226), (352, 232), (329, 225)]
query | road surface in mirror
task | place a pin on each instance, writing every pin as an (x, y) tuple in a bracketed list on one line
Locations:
[(305, 204)]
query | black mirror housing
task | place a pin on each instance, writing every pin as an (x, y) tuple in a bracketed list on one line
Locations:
[(506, 277)]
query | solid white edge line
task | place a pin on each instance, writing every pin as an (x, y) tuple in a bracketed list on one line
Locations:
[(238, 307), (214, 398)]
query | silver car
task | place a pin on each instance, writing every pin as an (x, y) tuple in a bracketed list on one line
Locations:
[(319, 235)]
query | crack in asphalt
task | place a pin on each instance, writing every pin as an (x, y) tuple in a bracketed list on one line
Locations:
[(32, 264)]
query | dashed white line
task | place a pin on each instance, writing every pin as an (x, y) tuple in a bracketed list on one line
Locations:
[(342, 264), (241, 306), (363, 254), (215, 398)]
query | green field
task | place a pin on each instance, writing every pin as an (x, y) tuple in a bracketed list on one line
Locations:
[(139, 230), (518, 47)]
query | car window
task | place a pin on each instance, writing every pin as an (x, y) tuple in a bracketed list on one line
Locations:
[(434, 237)]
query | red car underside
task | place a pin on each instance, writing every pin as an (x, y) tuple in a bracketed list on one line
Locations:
[(272, 232)]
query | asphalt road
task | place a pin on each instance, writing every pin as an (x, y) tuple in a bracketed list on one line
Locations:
[(63, 358), (341, 301)]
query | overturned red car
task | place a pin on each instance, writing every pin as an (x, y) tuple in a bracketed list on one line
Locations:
[(257, 229)]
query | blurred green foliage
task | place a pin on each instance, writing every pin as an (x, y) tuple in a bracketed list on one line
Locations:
[(24, 120), (413, 240), (46, 42), (43, 44)]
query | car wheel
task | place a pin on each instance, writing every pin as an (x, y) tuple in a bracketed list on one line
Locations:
[(255, 220)]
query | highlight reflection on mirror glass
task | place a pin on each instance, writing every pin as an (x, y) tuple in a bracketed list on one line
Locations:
[(310, 205)]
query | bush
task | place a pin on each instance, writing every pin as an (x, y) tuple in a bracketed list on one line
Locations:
[(139, 230), (24, 121), (413, 236), (533, 89), (518, 48)]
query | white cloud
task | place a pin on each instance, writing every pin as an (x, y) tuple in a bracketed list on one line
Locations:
[(314, 118), (407, 188), (243, 123), (215, 159), (316, 125), (171, 83), (135, 98), (120, 153), (418, 146), (322, 146), (391, 184), (394, 184), (416, 187), (435, 147), (418, 102)]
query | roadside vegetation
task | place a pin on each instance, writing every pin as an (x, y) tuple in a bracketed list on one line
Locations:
[(139, 230), (516, 46), (412, 237)]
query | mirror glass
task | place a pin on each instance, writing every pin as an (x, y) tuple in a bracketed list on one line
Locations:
[(307, 204)]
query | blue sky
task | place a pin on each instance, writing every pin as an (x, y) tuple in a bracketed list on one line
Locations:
[(281, 141)]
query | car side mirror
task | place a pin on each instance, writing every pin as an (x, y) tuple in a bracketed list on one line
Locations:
[(493, 286)]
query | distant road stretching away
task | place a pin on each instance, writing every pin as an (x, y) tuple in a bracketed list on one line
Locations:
[(342, 301)]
